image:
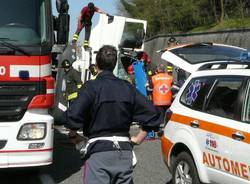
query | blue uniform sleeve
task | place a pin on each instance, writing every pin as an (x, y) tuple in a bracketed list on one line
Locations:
[(146, 114), (76, 115)]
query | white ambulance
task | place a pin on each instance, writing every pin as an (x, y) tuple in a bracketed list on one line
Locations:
[(207, 132)]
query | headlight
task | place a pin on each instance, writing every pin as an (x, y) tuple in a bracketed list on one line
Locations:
[(32, 131)]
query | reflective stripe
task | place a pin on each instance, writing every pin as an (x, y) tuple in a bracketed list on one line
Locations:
[(50, 91), (114, 139), (86, 43), (72, 96), (34, 70), (210, 126), (79, 86), (75, 37)]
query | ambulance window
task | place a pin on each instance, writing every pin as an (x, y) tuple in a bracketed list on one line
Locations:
[(246, 105), (224, 97), (195, 93)]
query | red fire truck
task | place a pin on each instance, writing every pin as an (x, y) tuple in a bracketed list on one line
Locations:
[(27, 40)]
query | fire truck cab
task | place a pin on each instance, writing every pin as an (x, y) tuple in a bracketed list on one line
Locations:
[(26, 85)]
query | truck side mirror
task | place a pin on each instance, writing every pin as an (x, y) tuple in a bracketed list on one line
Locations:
[(61, 23), (63, 28), (62, 6)]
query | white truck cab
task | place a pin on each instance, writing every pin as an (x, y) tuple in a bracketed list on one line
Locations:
[(120, 32)]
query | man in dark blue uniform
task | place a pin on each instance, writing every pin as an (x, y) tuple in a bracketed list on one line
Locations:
[(105, 109)]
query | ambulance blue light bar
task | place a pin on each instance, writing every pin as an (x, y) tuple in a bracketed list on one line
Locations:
[(245, 56)]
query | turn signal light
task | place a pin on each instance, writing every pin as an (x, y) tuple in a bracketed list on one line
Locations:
[(42, 101)]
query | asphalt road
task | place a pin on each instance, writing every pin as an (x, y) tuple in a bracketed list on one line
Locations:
[(66, 168)]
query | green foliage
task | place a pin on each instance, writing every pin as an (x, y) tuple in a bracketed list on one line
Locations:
[(169, 16), (226, 24)]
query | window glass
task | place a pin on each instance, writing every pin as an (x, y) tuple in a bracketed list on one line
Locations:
[(199, 53), (22, 22), (121, 72), (224, 97), (133, 35), (195, 93), (246, 105)]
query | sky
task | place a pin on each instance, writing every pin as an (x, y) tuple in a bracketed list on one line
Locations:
[(75, 6)]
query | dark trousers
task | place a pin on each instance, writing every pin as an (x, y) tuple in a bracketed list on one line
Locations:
[(87, 30), (112, 167), (163, 109)]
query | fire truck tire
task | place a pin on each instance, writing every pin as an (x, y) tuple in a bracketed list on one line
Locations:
[(184, 169)]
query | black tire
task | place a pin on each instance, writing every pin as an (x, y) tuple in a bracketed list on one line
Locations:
[(185, 163)]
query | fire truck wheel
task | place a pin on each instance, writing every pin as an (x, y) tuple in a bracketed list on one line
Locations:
[(184, 170)]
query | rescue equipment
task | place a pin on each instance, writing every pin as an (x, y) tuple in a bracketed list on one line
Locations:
[(141, 80)]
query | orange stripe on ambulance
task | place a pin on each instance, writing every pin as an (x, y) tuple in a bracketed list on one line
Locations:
[(230, 166)]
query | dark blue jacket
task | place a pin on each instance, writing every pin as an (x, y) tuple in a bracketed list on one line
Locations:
[(108, 105)]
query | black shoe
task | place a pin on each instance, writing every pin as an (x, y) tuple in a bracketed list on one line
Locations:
[(88, 48)]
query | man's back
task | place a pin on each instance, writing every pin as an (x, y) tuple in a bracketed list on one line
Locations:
[(114, 100), (105, 108), (108, 105)]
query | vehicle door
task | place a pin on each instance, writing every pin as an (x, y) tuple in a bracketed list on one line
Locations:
[(229, 136), (202, 125)]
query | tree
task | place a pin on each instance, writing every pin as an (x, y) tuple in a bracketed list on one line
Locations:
[(222, 14), (169, 16)]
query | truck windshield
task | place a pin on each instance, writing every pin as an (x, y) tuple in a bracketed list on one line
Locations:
[(133, 35), (23, 22)]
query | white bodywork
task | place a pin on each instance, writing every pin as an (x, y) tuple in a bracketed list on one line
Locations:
[(233, 154), (17, 153)]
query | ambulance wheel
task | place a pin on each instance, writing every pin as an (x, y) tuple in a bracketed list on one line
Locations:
[(184, 170)]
